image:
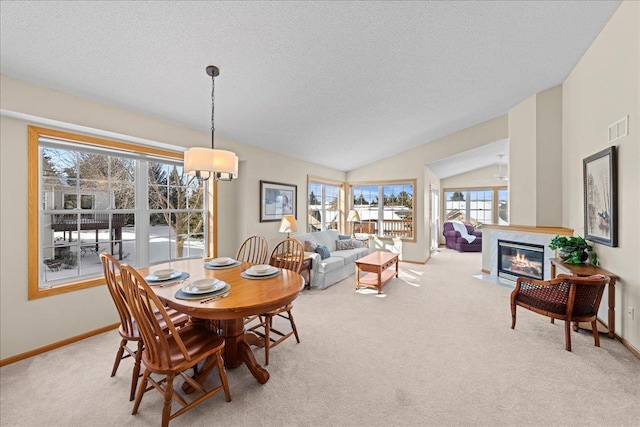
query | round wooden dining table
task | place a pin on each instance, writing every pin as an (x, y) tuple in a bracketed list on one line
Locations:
[(247, 297)]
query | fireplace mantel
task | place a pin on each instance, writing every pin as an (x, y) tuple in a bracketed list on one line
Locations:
[(518, 233), (562, 231)]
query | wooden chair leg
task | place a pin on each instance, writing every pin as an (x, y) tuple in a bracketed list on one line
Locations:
[(293, 326), (119, 355), (596, 334), (267, 339), (136, 371), (168, 393), (513, 316), (567, 334), (223, 376), (141, 391)]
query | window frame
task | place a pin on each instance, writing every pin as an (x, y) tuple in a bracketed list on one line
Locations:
[(413, 182), (33, 200), (465, 190), (341, 199)]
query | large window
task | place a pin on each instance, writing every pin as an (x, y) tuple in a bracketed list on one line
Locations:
[(477, 206), (385, 209), (95, 196), (323, 204)]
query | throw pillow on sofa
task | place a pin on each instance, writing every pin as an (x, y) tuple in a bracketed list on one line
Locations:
[(341, 245), (310, 245), (323, 251), (344, 237)]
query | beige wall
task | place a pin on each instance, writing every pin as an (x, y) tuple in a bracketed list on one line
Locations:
[(602, 88), (535, 150), (522, 153), (549, 158), (26, 325)]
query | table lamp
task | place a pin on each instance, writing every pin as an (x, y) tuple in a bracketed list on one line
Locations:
[(353, 217), (288, 225)]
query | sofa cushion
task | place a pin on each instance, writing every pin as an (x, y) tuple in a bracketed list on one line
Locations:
[(349, 255), (330, 264), (323, 251), (324, 237), (344, 237)]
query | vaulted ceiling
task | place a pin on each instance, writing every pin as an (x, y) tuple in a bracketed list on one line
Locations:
[(341, 84)]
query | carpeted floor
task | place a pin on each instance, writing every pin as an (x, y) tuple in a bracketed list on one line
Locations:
[(435, 349)]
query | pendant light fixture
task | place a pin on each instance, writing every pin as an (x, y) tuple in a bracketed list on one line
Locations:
[(205, 163)]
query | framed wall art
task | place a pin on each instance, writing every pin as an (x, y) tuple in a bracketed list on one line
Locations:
[(600, 175), (276, 200)]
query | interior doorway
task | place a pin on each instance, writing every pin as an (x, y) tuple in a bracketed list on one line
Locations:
[(435, 217)]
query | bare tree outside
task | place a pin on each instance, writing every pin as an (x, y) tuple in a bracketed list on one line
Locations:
[(174, 192)]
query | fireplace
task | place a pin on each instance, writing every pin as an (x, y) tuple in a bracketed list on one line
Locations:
[(517, 259)]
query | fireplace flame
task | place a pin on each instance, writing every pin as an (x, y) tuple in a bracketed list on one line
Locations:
[(520, 262)]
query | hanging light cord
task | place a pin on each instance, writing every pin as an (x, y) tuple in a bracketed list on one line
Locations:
[(213, 99)]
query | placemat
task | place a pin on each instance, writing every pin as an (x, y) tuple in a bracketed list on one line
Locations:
[(221, 267), (247, 276), (180, 294), (183, 276)]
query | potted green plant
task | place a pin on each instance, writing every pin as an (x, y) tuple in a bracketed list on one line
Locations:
[(574, 249)]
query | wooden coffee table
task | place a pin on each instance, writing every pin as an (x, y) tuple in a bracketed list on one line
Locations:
[(377, 267)]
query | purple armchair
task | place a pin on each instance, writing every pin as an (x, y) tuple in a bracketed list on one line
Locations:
[(454, 239)]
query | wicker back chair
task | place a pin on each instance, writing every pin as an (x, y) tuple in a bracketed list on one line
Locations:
[(568, 298)]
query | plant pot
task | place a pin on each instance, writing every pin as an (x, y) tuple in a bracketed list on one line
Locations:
[(564, 256), (584, 257)]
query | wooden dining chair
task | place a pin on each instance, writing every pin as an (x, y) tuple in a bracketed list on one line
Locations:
[(254, 249), (128, 329), (170, 355), (288, 254), (568, 298)]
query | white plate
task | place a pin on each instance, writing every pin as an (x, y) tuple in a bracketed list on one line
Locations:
[(204, 286), (153, 278), (271, 270), (219, 262)]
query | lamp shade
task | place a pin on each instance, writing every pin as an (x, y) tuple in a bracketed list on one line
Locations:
[(219, 164), (288, 224), (353, 216)]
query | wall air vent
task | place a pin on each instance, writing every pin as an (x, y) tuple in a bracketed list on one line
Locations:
[(619, 129)]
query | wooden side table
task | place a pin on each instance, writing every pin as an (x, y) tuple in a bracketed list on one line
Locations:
[(307, 265), (584, 270), (364, 240)]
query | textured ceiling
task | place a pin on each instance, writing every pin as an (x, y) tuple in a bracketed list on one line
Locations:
[(341, 84)]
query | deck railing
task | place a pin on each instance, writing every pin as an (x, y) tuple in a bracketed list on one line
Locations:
[(402, 228)]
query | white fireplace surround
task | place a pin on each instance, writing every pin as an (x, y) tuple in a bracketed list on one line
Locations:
[(524, 234)]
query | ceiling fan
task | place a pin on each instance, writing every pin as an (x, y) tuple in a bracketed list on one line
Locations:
[(500, 176)]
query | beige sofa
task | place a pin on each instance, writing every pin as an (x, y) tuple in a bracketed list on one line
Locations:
[(340, 265)]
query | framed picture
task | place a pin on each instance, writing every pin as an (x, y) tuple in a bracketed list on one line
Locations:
[(276, 200), (600, 175)]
